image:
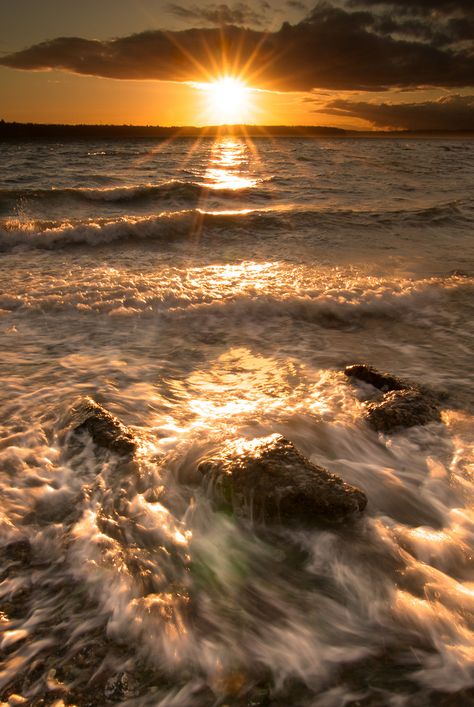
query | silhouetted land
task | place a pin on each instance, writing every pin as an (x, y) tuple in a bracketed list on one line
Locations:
[(37, 131)]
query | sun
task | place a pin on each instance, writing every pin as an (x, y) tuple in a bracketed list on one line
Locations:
[(228, 100)]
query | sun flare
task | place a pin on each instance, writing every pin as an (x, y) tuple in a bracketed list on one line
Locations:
[(228, 100)]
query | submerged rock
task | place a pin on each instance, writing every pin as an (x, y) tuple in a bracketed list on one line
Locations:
[(268, 480), (105, 429), (402, 405), (402, 408)]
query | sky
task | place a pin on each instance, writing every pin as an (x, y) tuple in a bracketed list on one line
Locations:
[(367, 64)]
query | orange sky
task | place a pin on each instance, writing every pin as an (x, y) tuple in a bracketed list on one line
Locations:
[(54, 96), (338, 64)]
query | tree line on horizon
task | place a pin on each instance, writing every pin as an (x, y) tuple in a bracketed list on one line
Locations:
[(17, 130)]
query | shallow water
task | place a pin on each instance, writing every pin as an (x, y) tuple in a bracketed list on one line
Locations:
[(204, 292)]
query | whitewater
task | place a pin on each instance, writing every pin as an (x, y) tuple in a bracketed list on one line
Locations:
[(206, 292)]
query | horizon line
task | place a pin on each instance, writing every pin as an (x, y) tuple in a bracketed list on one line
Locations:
[(230, 128)]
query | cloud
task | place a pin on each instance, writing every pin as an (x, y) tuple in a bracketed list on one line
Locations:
[(297, 5), (441, 23), (331, 48), (240, 13), (448, 113), (425, 7)]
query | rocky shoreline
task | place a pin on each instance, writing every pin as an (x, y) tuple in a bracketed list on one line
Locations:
[(266, 481)]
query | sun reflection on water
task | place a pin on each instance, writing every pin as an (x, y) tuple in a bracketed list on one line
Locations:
[(239, 383), (228, 166)]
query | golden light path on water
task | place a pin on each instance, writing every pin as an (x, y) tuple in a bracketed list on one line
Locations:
[(226, 169)]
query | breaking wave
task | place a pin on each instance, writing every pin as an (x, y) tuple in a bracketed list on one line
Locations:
[(166, 225), (211, 295), (195, 222), (173, 190)]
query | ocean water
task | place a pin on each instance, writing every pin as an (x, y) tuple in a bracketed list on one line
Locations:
[(207, 291)]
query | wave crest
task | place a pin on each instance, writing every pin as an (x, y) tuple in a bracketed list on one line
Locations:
[(174, 189)]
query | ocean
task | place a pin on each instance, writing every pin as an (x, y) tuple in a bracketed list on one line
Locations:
[(203, 292)]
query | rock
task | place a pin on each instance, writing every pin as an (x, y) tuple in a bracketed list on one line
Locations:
[(18, 551), (121, 687), (268, 480), (105, 429), (402, 408), (459, 273), (402, 405), (382, 381)]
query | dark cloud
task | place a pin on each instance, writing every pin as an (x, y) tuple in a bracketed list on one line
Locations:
[(331, 48), (413, 28), (414, 7), (297, 5), (448, 113), (240, 13), (439, 23), (462, 27)]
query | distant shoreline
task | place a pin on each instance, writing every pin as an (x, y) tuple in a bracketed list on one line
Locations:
[(38, 131)]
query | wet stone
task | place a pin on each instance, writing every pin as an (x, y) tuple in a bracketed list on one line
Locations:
[(459, 273), (106, 430), (402, 408), (368, 374), (18, 551), (268, 480), (402, 405), (17, 607), (121, 687)]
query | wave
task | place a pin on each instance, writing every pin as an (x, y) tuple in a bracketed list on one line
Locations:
[(174, 189), (345, 310), (208, 299), (195, 222), (167, 225), (191, 194), (437, 214), (451, 212)]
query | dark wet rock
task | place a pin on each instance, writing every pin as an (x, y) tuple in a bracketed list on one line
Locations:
[(402, 405), (459, 273), (268, 480), (121, 687), (382, 381), (402, 408), (18, 604), (18, 551), (105, 429)]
